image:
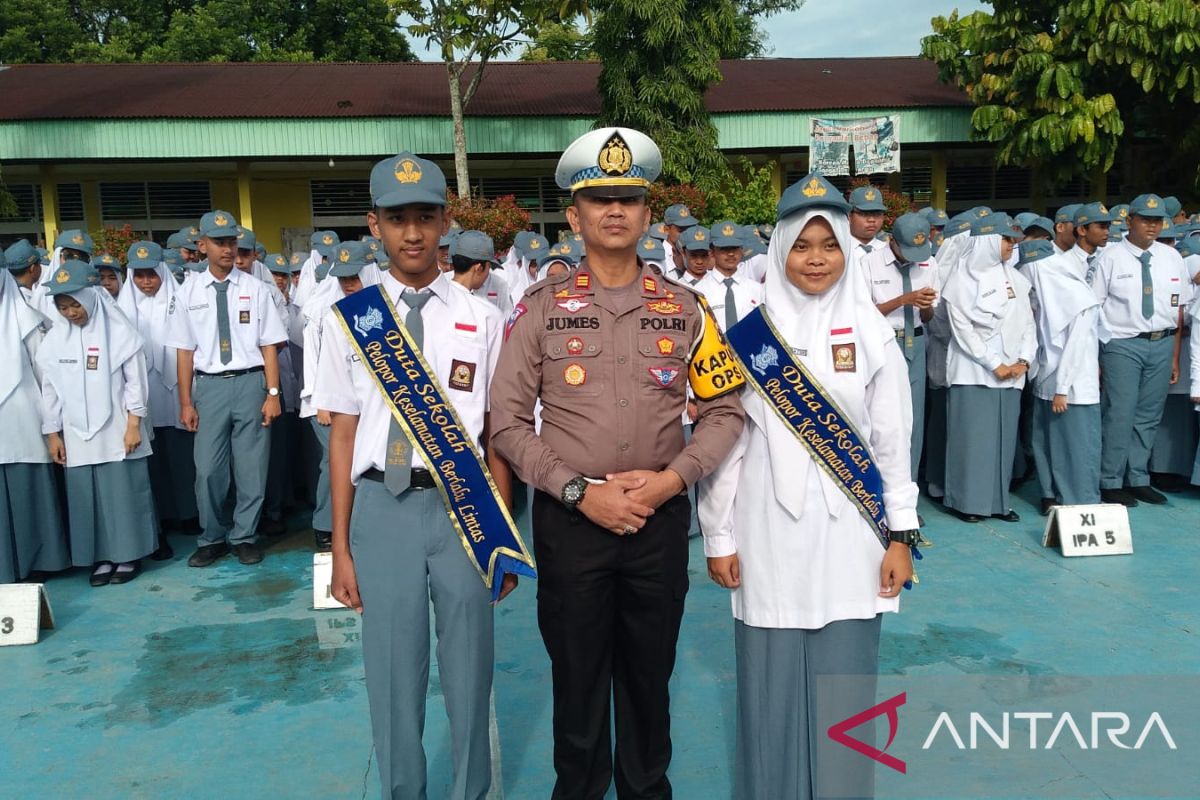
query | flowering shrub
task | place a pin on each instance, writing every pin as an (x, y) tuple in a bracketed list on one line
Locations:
[(115, 241), (501, 218), (662, 195), (897, 203)]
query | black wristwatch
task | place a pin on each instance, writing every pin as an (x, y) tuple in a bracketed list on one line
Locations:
[(573, 490), (910, 538)]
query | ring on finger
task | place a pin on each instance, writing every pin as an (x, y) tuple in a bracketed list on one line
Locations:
[(629, 529)]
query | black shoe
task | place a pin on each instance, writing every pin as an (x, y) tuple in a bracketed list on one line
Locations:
[(206, 555), (968, 517), (1167, 482), (1118, 496), (324, 540), (248, 553), (1146, 495), (271, 527), (102, 578), (128, 575), (1008, 516), (164, 551), (1047, 504)]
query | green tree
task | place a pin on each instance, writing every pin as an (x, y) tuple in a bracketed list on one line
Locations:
[(560, 41), (746, 197), (1064, 86)]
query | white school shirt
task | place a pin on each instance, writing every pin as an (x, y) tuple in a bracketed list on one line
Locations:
[(1118, 286), (1081, 256), (971, 358), (1078, 372), (495, 290), (459, 328), (754, 267), (21, 411), (192, 325), (129, 396), (807, 572), (883, 273), (747, 294)]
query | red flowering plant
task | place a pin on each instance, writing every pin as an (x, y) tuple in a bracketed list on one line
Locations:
[(115, 241), (897, 203), (500, 218), (662, 195)]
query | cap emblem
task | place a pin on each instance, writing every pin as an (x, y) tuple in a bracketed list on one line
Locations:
[(698, 235), (648, 244), (869, 194), (1103, 210), (919, 239), (534, 244), (984, 213), (327, 239), (727, 230), (343, 255), (220, 220), (684, 212), (814, 189), (615, 158), (408, 171), (1151, 203), (295, 258), (62, 277), (143, 252), (77, 239), (280, 261)]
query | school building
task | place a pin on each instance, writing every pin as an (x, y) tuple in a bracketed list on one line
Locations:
[(287, 147)]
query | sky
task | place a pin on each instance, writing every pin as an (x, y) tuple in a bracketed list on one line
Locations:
[(834, 28)]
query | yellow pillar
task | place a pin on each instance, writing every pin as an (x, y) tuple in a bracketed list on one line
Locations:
[(92, 218), (49, 205), (245, 215), (938, 199), (1099, 184), (777, 177)]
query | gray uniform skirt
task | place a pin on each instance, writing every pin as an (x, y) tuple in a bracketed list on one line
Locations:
[(173, 474), (1175, 441), (111, 512), (981, 438), (32, 537), (782, 751)]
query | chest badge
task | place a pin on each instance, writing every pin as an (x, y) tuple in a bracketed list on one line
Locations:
[(664, 307), (844, 359), (462, 375), (665, 346), (575, 375), (664, 376), (574, 346), (573, 304)]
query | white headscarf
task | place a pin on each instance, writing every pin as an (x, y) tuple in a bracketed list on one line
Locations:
[(329, 291), (17, 321), (1063, 294), (805, 322), (979, 289), (949, 256), (110, 338), (149, 315), (308, 278)]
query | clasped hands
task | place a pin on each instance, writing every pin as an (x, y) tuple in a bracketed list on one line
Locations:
[(627, 499)]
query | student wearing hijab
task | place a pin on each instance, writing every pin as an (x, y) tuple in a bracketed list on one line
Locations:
[(112, 276), (146, 300), (811, 569), (1066, 411), (94, 417), (992, 344), (31, 530)]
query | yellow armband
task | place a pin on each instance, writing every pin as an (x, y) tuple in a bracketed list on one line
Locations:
[(713, 370)]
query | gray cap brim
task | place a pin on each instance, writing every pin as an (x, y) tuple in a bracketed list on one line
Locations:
[(915, 253), (611, 192), (410, 197)]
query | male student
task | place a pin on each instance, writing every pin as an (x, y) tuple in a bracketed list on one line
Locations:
[(1092, 224), (730, 292), (226, 330)]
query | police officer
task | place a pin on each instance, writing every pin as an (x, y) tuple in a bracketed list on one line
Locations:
[(608, 351), (1143, 287), (226, 330), (902, 275)]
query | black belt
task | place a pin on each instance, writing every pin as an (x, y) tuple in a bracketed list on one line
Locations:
[(1154, 336), (421, 478), (230, 373), (916, 332)]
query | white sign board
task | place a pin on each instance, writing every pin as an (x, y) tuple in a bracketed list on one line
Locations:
[(1099, 530), (322, 577), (24, 612)]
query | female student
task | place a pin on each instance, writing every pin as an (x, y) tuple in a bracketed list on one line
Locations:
[(31, 529), (992, 344), (94, 408), (809, 569), (1066, 412), (146, 299)]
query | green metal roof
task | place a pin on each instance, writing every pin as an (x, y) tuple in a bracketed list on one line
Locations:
[(176, 139)]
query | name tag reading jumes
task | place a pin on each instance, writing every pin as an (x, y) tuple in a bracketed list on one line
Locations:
[(24, 613), (322, 576), (1093, 530)]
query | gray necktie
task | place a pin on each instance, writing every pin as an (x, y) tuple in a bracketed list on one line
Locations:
[(222, 289), (397, 472), (1147, 286), (909, 325), (868, 248), (1091, 270), (731, 317)]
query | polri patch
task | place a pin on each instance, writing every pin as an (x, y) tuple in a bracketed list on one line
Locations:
[(664, 376), (575, 375), (665, 346), (844, 359), (664, 307), (574, 346), (462, 375), (518, 311)]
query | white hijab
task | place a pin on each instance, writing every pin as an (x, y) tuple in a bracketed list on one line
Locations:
[(308, 278), (979, 289), (149, 315), (805, 322), (87, 393), (329, 291), (949, 256), (17, 321)]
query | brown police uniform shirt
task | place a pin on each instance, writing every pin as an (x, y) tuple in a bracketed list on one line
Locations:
[(611, 369)]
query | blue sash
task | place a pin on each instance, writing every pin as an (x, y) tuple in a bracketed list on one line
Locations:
[(418, 403), (811, 414)]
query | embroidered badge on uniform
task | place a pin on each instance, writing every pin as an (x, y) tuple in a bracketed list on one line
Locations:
[(1174, 301), (844, 357), (561, 293), (650, 285), (841, 331), (1011, 294), (666, 346), (583, 281), (575, 375), (574, 346), (664, 376), (573, 304), (518, 311), (93, 358), (244, 316), (664, 307), (462, 375), (463, 326)]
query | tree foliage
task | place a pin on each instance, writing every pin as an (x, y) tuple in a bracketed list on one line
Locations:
[(1065, 85), (746, 197), (560, 41), (61, 31)]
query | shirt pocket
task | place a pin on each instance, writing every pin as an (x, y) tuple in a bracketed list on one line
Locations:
[(664, 360), (465, 369), (572, 365)]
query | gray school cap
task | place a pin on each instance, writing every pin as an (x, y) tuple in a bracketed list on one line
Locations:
[(405, 180), (476, 246), (911, 233), (143, 255)]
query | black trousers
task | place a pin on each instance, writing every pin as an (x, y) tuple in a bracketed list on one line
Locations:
[(609, 609)]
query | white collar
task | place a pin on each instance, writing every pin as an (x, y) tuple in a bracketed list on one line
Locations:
[(207, 277)]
